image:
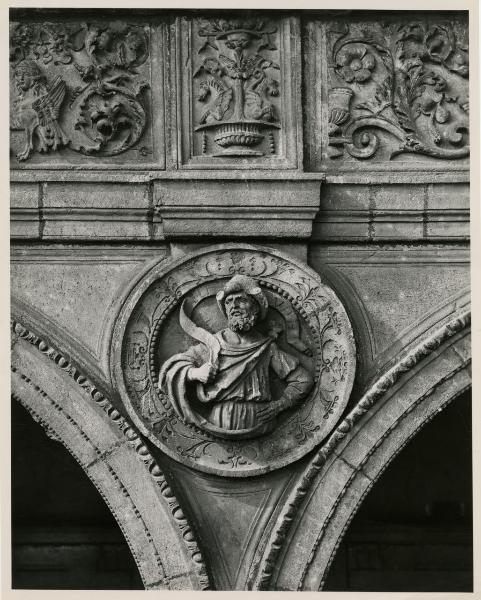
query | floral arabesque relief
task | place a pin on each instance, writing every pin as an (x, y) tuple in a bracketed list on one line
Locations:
[(409, 81), (355, 63), (105, 112)]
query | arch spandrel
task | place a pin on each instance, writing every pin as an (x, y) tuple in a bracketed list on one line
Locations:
[(156, 155)]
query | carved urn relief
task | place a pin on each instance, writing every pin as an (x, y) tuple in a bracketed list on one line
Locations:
[(238, 91), (234, 360), (238, 82)]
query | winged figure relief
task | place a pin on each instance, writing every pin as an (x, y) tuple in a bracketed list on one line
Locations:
[(36, 110)]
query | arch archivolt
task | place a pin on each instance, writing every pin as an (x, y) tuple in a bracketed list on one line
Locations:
[(75, 411), (331, 488)]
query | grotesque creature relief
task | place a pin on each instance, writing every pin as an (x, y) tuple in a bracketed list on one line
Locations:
[(37, 107)]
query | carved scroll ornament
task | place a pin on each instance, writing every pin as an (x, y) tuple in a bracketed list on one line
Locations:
[(408, 81), (76, 85), (241, 397)]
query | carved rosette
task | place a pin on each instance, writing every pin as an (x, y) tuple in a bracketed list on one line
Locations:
[(398, 89), (310, 324), (80, 86)]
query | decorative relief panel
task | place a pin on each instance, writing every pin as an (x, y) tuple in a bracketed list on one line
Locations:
[(234, 360), (82, 93), (397, 92), (238, 91)]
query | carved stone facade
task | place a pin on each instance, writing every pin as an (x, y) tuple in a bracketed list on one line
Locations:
[(240, 268), (409, 80), (84, 87), (239, 97), (303, 317)]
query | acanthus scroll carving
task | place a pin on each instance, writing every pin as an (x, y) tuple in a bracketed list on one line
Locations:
[(77, 85), (409, 81)]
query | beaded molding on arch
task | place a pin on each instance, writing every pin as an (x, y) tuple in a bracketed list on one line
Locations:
[(381, 471), (51, 433), (20, 331), (278, 537)]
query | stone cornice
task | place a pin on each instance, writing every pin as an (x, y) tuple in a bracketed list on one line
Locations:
[(242, 208), (129, 175), (268, 208)]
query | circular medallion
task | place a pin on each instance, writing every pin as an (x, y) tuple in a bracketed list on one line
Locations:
[(234, 360)]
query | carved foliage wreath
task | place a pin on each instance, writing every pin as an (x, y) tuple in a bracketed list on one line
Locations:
[(313, 323)]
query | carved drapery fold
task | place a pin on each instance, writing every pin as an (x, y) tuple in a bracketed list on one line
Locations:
[(305, 318), (245, 91)]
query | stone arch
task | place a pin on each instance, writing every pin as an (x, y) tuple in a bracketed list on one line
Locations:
[(74, 411), (331, 488)]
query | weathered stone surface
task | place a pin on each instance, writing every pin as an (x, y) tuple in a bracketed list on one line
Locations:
[(361, 457), (73, 411), (317, 511), (245, 208), (82, 91), (447, 226), (87, 211), (194, 128), (238, 90), (392, 212), (193, 208), (24, 211), (388, 92), (64, 284), (399, 197), (452, 196), (304, 315), (393, 316), (230, 522)]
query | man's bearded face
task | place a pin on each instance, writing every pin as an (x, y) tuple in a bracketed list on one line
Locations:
[(241, 311)]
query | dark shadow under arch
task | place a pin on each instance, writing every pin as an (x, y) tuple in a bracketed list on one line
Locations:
[(333, 485), (73, 410), (63, 535), (413, 531)]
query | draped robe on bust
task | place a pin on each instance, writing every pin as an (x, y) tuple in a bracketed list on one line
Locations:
[(240, 385)]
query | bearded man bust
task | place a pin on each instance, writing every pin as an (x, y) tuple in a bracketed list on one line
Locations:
[(223, 384)]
